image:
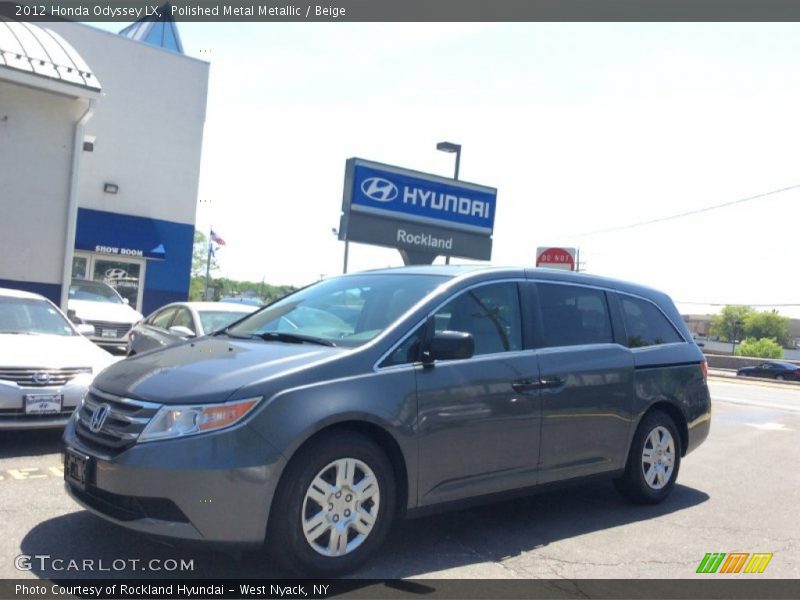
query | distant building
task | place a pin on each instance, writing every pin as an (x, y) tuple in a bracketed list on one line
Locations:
[(100, 135), (700, 326)]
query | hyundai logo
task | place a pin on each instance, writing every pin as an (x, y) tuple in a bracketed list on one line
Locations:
[(379, 189), (42, 377), (99, 418)]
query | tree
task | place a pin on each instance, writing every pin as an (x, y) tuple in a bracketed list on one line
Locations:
[(730, 323), (761, 348), (200, 255), (767, 324)]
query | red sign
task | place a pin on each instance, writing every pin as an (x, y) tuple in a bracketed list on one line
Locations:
[(556, 258)]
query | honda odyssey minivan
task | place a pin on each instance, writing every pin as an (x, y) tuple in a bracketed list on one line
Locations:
[(314, 423)]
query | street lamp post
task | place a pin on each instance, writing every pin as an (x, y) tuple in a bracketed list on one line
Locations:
[(736, 326), (335, 232), (451, 148)]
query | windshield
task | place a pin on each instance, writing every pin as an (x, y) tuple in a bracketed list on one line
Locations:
[(214, 320), (346, 311), (31, 316), (93, 291)]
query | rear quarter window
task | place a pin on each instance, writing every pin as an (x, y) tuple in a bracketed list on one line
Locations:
[(646, 325)]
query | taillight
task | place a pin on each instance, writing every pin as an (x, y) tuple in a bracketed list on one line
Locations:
[(797, 372), (704, 369)]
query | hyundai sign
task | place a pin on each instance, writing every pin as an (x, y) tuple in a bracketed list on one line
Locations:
[(425, 215)]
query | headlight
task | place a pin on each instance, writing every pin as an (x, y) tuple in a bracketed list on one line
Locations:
[(180, 421)]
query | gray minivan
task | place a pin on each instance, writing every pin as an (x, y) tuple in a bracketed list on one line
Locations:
[(312, 424)]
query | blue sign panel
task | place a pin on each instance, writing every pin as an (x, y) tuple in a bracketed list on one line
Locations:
[(411, 196)]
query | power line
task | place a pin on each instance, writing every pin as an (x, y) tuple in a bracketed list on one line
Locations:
[(734, 303), (690, 212)]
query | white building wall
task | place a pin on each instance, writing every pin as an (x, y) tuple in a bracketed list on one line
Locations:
[(148, 126), (36, 141)]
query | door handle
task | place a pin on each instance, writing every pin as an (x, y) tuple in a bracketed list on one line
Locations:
[(550, 382), (526, 385)]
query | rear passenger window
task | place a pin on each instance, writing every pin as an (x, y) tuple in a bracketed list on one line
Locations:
[(573, 315), (646, 325)]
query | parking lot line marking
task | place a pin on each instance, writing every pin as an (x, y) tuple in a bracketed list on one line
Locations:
[(786, 407)]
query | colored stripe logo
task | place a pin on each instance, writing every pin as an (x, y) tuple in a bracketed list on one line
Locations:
[(734, 562)]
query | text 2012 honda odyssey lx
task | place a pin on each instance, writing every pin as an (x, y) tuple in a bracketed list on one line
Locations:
[(313, 423)]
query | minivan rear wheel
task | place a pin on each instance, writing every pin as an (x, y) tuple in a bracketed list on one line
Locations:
[(334, 506), (653, 460)]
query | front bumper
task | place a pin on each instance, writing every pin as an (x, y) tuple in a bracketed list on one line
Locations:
[(214, 488), (12, 404)]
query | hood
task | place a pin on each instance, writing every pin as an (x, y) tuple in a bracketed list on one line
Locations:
[(51, 351), (206, 370), (104, 311)]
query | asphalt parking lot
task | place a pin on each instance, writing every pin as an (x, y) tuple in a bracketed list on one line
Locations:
[(737, 493)]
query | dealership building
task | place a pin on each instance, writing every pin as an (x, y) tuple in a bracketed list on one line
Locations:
[(100, 142)]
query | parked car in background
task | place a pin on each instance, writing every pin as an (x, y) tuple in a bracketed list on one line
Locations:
[(46, 365), (772, 369), (242, 300), (180, 321), (312, 433), (99, 305)]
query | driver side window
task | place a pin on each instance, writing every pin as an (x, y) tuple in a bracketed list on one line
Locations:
[(489, 313)]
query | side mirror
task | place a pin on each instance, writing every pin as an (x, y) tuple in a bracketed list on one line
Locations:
[(181, 331), (449, 345), (126, 301), (72, 316), (85, 329)]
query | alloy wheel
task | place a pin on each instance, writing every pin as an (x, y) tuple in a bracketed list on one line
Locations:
[(658, 458), (340, 507)]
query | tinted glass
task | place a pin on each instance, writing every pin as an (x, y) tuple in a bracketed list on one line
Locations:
[(163, 318), (490, 313), (574, 315), (348, 311), (27, 315), (645, 324)]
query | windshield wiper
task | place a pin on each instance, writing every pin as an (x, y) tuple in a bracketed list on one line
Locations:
[(292, 338)]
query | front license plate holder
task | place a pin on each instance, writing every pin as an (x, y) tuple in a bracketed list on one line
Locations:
[(43, 404), (77, 468)]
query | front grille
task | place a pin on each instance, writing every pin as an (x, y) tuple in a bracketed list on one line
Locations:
[(130, 508), (120, 329), (41, 376), (126, 420), (18, 415)]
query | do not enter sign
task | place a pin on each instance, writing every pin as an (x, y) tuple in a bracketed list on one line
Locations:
[(556, 258)]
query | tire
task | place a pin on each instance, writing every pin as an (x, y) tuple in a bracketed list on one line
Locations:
[(651, 484), (336, 464)]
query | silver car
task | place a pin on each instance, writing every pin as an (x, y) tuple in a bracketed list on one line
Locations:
[(46, 365), (180, 321)]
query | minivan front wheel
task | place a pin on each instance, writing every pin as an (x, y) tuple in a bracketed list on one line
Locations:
[(333, 507), (653, 460)]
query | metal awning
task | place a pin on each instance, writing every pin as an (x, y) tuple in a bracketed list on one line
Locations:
[(39, 57)]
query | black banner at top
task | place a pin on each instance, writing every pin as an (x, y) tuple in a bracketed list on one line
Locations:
[(406, 10)]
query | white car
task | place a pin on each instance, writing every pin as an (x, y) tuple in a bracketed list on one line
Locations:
[(46, 365), (99, 305)]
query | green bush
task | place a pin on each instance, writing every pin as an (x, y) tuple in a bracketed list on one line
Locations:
[(760, 348)]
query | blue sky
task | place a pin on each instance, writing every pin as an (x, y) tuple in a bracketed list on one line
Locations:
[(580, 127)]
